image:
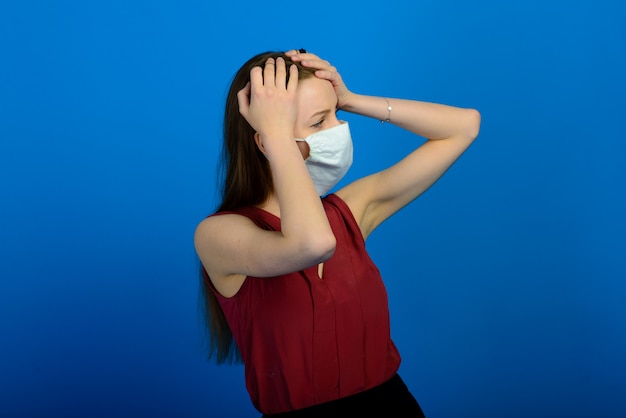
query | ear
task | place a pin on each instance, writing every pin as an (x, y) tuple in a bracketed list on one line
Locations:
[(258, 142)]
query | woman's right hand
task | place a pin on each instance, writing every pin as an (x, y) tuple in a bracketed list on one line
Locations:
[(268, 102)]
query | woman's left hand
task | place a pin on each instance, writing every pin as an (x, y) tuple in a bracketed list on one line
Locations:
[(324, 70)]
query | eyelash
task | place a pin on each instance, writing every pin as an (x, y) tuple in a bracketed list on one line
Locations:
[(319, 124)]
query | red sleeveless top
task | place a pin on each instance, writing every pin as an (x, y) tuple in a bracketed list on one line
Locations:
[(306, 340)]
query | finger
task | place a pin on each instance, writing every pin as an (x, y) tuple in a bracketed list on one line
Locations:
[(293, 78), (333, 77), (245, 90), (317, 63), (281, 72), (243, 97), (327, 75), (297, 56), (307, 56), (294, 52), (269, 72), (256, 77)]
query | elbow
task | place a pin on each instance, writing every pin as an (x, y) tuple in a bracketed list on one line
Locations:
[(321, 247), (473, 123), (326, 246)]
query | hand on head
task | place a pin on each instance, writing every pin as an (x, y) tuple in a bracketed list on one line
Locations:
[(268, 101), (324, 70)]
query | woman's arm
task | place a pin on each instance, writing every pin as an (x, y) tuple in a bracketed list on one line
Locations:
[(231, 247), (449, 132), (270, 108)]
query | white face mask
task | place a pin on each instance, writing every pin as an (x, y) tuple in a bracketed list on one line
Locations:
[(330, 156)]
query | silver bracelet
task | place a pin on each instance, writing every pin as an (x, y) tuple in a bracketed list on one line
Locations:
[(389, 108)]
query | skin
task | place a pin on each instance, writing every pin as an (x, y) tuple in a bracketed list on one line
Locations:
[(231, 247)]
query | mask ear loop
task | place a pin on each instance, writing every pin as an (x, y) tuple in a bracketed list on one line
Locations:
[(307, 145)]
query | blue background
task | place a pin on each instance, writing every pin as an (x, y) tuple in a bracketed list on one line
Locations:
[(506, 280)]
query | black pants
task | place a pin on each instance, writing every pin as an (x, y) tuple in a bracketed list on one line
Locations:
[(390, 400)]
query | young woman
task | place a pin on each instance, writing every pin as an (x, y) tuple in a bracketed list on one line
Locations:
[(289, 287)]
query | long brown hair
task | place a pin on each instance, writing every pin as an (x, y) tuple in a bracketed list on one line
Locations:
[(247, 181)]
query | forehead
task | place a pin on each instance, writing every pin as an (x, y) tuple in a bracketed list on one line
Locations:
[(315, 94)]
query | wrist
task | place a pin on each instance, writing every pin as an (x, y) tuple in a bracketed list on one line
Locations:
[(389, 109), (348, 102), (270, 141)]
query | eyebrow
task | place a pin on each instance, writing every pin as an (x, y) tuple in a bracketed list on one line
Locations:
[(320, 113), (323, 112)]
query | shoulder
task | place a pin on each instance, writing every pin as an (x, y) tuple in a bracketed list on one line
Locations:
[(218, 221), (219, 230), (213, 227), (214, 240)]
